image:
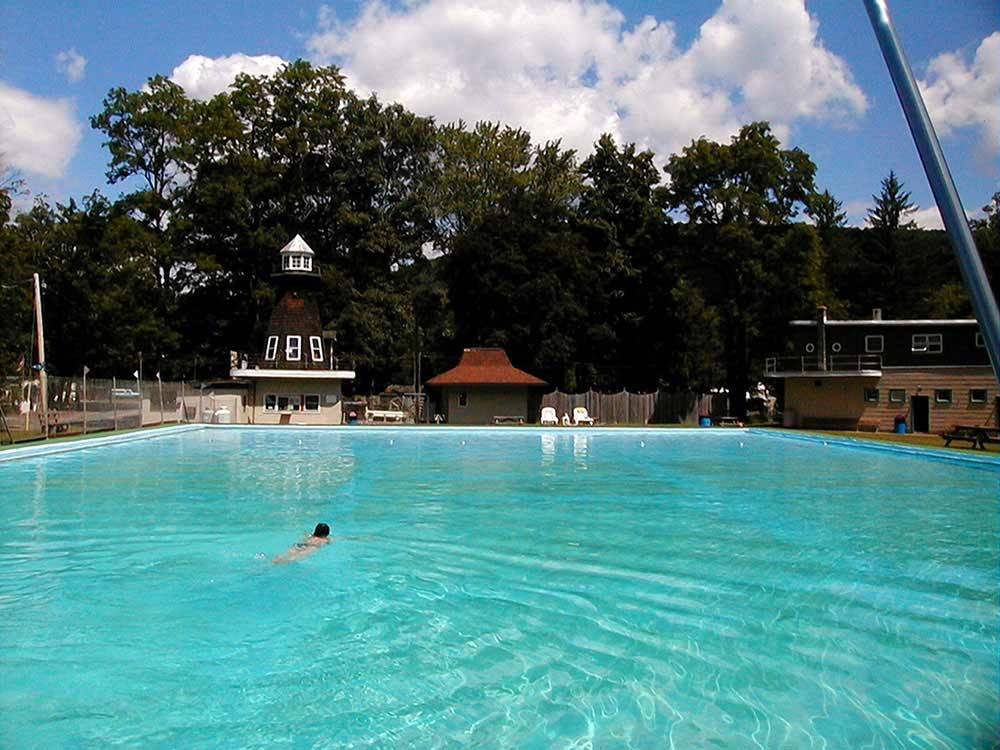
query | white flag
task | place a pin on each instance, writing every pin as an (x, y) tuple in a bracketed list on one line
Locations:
[(135, 374), (85, 369), (157, 374)]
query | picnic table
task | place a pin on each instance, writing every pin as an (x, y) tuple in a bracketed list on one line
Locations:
[(976, 435)]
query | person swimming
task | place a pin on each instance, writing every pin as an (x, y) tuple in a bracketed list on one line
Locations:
[(299, 550)]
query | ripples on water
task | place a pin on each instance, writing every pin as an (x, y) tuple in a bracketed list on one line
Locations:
[(497, 589)]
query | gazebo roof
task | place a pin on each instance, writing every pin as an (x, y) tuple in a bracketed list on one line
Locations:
[(485, 367)]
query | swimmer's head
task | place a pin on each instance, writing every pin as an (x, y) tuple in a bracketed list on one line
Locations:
[(321, 530)]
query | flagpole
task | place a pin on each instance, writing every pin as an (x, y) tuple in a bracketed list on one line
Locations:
[(159, 384), (42, 377), (85, 371)]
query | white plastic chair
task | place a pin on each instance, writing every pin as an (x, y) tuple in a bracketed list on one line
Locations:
[(549, 416), (581, 417)]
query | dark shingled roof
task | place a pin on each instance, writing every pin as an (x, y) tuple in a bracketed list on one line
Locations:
[(485, 367)]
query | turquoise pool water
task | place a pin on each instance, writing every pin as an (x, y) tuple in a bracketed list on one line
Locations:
[(522, 589)]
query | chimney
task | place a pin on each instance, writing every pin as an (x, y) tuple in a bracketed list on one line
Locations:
[(821, 337), (876, 313)]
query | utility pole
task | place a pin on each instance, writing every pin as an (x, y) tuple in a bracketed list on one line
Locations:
[(43, 383)]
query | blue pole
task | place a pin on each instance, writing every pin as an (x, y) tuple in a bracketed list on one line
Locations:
[(949, 204)]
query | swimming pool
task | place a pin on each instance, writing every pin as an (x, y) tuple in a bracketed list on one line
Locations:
[(497, 588)]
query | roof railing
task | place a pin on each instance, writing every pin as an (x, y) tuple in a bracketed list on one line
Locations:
[(838, 363)]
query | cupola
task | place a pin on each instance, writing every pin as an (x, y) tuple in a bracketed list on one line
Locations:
[(297, 257)]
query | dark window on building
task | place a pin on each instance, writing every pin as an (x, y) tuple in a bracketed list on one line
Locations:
[(927, 343), (272, 348), (293, 348), (942, 395), (871, 395), (270, 402), (897, 395), (874, 344), (978, 396), (980, 341), (312, 402), (463, 398)]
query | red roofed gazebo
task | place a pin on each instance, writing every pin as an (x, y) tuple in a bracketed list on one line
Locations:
[(485, 388)]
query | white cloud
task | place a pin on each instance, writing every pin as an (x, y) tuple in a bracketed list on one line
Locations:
[(38, 136), (71, 64), (204, 77), (572, 69), (927, 218), (960, 95)]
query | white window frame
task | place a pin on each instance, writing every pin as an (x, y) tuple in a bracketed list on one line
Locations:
[(836, 347), (316, 348), (874, 391), (980, 341), (985, 398), (927, 343), (901, 399), (293, 344), (305, 402), (271, 402), (307, 263), (939, 398), (286, 262), (872, 341), (810, 348), (271, 351)]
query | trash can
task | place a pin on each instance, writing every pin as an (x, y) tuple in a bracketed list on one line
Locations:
[(704, 421), (900, 424)]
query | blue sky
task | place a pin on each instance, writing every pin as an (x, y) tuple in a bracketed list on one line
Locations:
[(659, 73)]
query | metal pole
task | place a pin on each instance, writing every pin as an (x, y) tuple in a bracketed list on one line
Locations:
[(942, 185), (159, 384), (85, 399), (114, 403), (43, 383)]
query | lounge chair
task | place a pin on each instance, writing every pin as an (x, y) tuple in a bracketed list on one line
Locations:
[(549, 416), (581, 417)]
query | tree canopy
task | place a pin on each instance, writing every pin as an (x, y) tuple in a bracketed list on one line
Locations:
[(619, 270)]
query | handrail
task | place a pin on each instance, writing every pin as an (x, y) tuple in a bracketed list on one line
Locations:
[(834, 363)]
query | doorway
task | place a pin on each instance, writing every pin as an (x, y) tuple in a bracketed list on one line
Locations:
[(920, 411)]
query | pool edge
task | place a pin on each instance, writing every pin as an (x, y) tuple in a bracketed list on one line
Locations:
[(34, 451)]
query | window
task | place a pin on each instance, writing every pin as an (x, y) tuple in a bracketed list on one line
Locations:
[(293, 348), (942, 396), (272, 348), (463, 398), (810, 348), (977, 396), (871, 395), (926, 343), (312, 402), (307, 263), (874, 344), (980, 341), (285, 263), (836, 347), (316, 348), (296, 261), (289, 403), (897, 395), (270, 402)]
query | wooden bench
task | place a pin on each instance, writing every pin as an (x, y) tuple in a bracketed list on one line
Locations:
[(508, 420), (385, 415)]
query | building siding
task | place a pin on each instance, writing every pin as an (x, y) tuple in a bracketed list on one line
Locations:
[(839, 402), (330, 402)]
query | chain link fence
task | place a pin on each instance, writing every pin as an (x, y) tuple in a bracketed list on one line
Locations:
[(78, 406)]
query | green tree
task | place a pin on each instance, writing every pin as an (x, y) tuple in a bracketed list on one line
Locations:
[(891, 207), (826, 211), (740, 199)]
